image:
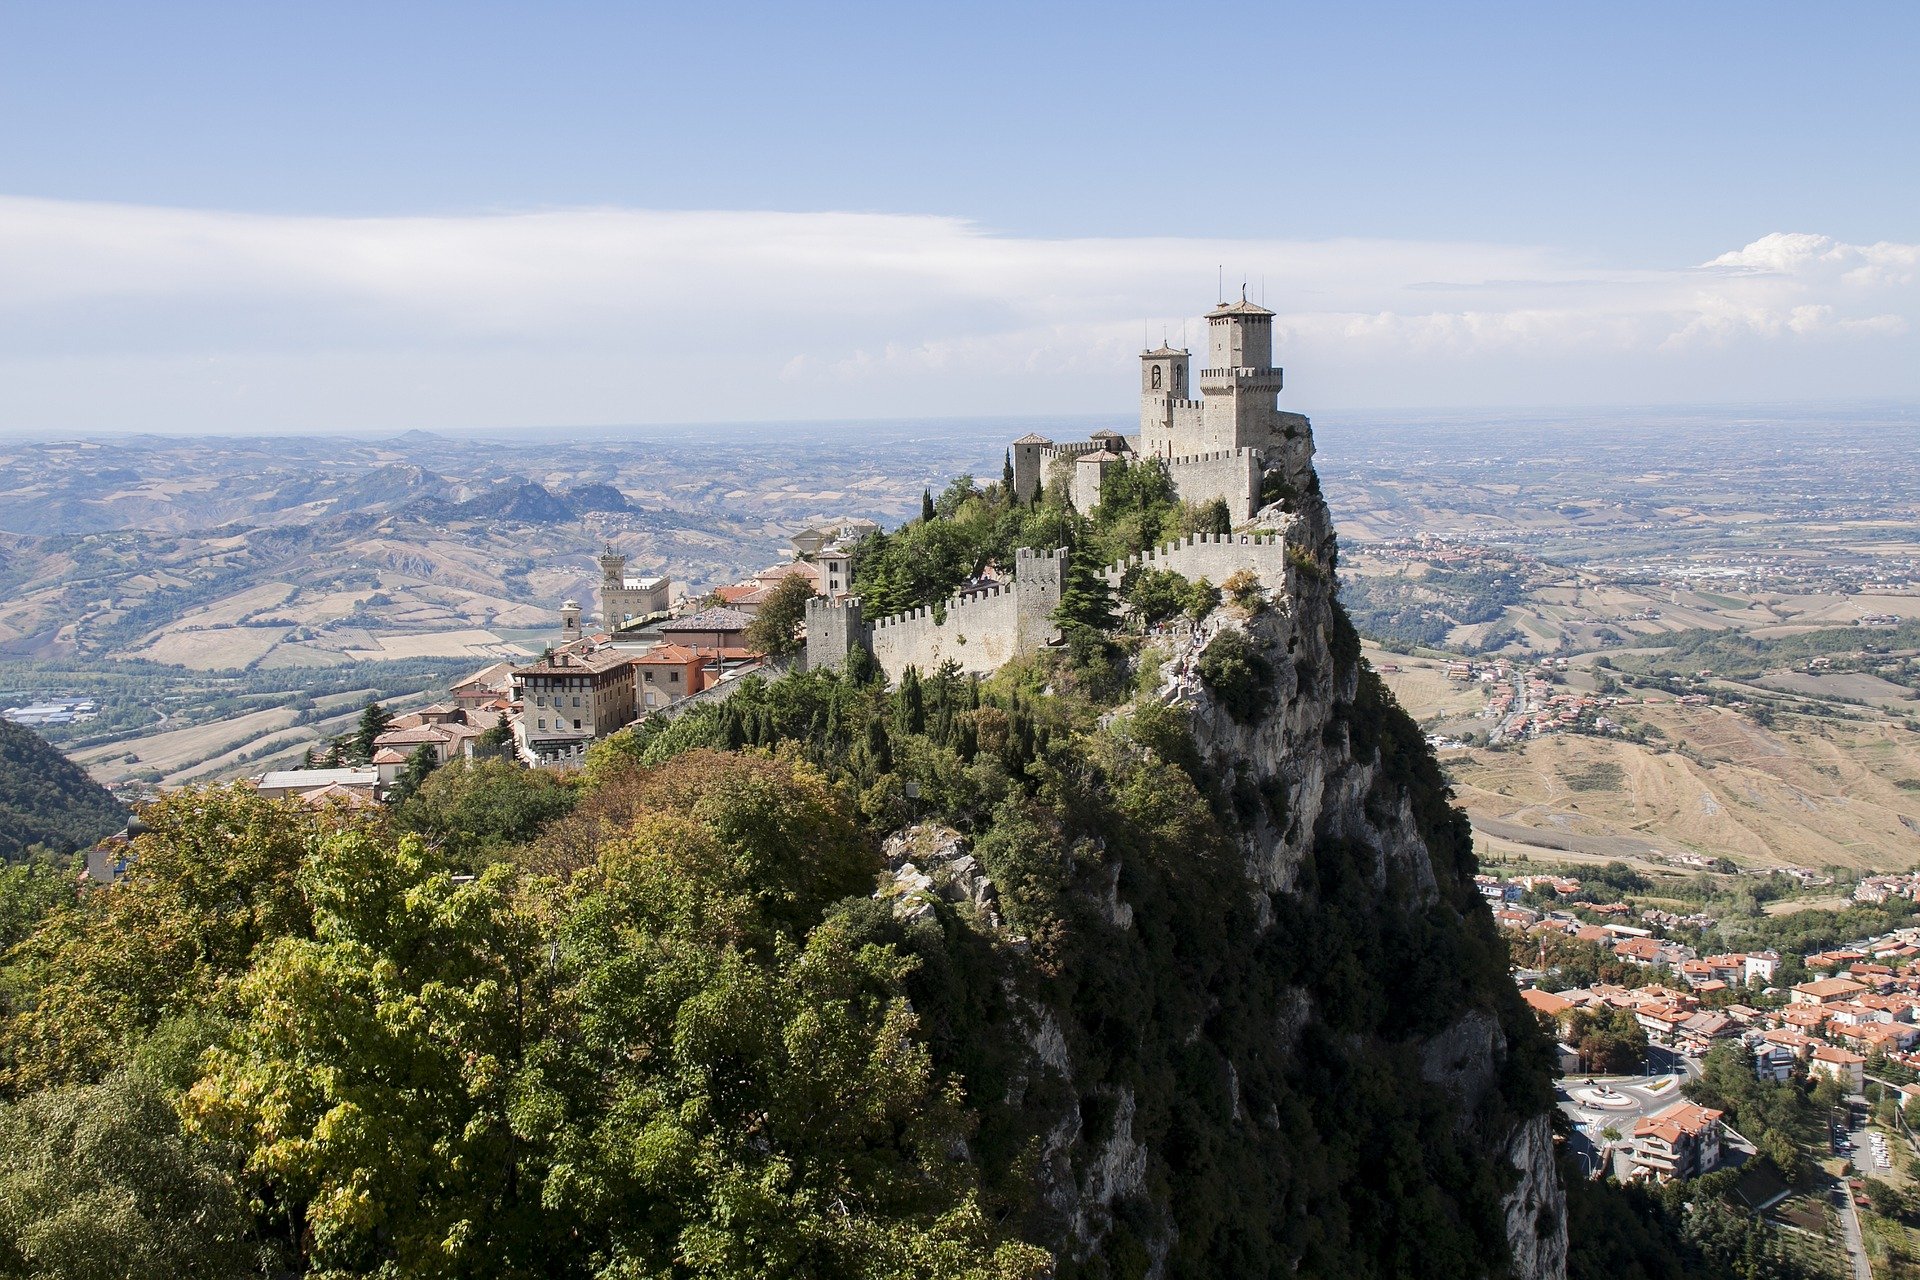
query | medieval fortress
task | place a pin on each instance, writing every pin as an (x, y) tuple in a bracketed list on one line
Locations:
[(1233, 444)]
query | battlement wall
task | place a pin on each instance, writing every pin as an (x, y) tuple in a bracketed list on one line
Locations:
[(1232, 475), (979, 630), (1216, 557)]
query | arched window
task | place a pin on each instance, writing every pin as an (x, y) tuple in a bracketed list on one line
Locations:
[(1156, 377), (1177, 371)]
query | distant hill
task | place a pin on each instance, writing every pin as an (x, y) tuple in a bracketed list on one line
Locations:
[(526, 501), (47, 799), (597, 497)]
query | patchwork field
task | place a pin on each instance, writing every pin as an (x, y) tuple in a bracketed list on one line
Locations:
[(1803, 790)]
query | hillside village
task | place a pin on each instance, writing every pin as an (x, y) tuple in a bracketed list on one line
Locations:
[(1848, 1014)]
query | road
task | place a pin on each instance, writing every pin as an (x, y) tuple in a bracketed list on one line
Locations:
[(1645, 1095), (1850, 1228)]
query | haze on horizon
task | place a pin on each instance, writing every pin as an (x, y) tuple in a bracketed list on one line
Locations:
[(220, 218)]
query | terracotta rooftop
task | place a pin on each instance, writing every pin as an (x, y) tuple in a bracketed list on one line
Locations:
[(670, 655), (1682, 1118), (576, 664)]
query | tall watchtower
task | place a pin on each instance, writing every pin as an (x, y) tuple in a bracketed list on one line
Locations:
[(1029, 456), (1240, 382), (1164, 383), (613, 569)]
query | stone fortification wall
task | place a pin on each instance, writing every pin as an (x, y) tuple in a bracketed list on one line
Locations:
[(1232, 475), (1216, 557), (980, 631), (834, 627)]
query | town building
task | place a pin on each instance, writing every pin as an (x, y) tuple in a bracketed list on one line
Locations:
[(1682, 1141), (1826, 991), (1844, 1065), (568, 699), (310, 784), (479, 691), (667, 674), (625, 601), (718, 628)]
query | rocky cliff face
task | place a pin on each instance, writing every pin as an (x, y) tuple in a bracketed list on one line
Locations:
[(1318, 743), (1341, 1076)]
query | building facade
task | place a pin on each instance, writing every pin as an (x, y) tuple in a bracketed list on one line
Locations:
[(1681, 1142), (624, 600), (568, 699)]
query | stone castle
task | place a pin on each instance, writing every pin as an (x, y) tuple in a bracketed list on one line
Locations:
[(1233, 444), (1223, 445)]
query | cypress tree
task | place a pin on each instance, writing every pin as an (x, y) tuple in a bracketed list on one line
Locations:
[(879, 746), (909, 707), (1086, 601), (1006, 475), (926, 506), (374, 720)]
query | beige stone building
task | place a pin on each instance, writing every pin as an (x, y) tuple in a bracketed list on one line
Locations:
[(624, 600), (570, 698), (1681, 1142), (1232, 442)]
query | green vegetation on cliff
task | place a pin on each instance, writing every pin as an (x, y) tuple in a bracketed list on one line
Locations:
[(655, 1019), (47, 800), (970, 527)]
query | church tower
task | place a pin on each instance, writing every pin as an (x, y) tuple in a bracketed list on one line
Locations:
[(1240, 382)]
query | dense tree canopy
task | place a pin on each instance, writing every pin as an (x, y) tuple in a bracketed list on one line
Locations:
[(48, 801)]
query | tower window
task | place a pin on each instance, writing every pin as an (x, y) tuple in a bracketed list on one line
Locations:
[(1156, 377)]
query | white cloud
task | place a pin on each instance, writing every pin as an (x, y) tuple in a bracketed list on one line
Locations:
[(139, 318)]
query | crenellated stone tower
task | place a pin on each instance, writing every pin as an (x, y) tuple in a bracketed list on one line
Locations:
[(1221, 432)]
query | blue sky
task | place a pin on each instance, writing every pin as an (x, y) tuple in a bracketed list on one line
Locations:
[(1449, 205)]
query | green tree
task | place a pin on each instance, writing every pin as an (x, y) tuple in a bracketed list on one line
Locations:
[(1238, 674), (1086, 601), (926, 506), (470, 806), (30, 891), (1202, 599), (378, 1086), (775, 629), (210, 882), (1212, 516), (499, 734), (98, 1183), (422, 762), (1006, 475), (374, 720), (1156, 594)]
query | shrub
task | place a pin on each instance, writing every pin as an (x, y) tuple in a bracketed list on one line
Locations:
[(1238, 674), (1243, 587)]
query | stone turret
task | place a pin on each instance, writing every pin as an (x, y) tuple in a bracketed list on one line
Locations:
[(569, 622), (613, 569), (1029, 460), (834, 627), (1240, 382)]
